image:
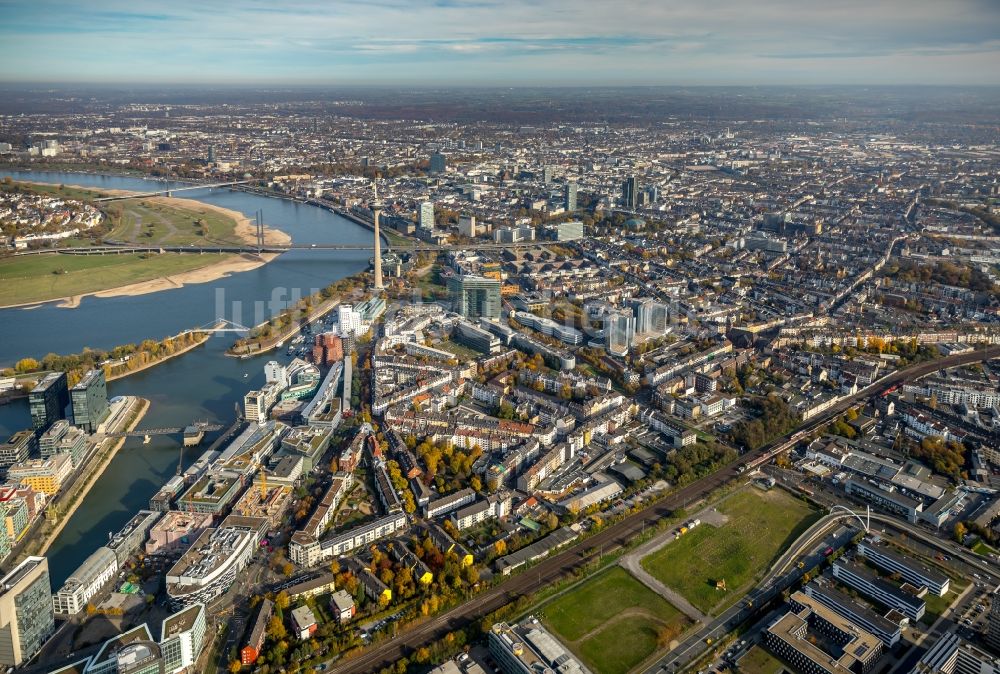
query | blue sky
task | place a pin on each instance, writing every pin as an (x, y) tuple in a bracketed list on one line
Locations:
[(502, 42)]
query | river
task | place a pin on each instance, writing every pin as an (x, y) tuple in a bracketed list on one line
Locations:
[(203, 384)]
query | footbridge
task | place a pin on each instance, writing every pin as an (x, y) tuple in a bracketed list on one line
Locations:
[(203, 426)]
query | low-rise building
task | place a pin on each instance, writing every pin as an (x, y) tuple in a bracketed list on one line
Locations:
[(842, 646), (210, 566), (909, 569), (84, 583), (528, 649), (342, 606), (304, 622), (254, 641), (43, 475), (868, 583)]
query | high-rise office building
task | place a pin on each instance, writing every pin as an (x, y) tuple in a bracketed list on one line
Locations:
[(475, 296), (569, 196), (467, 225), (651, 317), (630, 193), (547, 173), (26, 616), (619, 332), (48, 400), (993, 624), (211, 154), (427, 215), (89, 399), (438, 163)]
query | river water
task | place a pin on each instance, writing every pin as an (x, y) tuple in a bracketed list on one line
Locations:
[(203, 384)]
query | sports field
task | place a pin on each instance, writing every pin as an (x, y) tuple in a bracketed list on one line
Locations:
[(759, 527), (613, 622), (37, 278)]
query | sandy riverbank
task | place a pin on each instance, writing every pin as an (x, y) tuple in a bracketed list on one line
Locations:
[(211, 272), (245, 231)]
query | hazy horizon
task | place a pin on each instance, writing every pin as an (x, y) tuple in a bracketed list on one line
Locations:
[(489, 43)]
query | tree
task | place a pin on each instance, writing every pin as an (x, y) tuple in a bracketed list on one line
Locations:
[(552, 520), (235, 666), (960, 531), (276, 629), (282, 600), (26, 365)]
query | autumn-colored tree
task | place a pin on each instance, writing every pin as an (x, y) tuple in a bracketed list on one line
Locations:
[(235, 666), (276, 629)]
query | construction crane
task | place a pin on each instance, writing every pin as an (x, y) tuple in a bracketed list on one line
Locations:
[(263, 481)]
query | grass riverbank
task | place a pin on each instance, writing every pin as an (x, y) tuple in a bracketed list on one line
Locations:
[(42, 278), (159, 221)]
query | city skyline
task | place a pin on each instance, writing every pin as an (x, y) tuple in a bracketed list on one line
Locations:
[(450, 42)]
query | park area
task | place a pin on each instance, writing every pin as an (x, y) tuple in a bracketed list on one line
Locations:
[(37, 278), (713, 566), (613, 622), (171, 223)]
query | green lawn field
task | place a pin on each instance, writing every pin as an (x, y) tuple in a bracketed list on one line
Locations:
[(759, 661), (612, 621), (154, 222), (37, 278), (759, 527)]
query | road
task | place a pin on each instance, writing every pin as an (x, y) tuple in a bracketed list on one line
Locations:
[(561, 565)]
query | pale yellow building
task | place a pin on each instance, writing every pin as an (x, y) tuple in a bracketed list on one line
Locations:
[(43, 475)]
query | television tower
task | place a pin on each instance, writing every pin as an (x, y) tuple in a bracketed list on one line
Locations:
[(377, 211)]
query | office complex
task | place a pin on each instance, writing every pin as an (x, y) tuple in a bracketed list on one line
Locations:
[(630, 193), (953, 655), (426, 215), (182, 637), (570, 230), (475, 296), (48, 400), (912, 572), (26, 618), (888, 631), (437, 163), (619, 332), (210, 565), (868, 583), (651, 317), (89, 399), (85, 582), (17, 448), (43, 475), (61, 438), (816, 640), (569, 196), (529, 649)]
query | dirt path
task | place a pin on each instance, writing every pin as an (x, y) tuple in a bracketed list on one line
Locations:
[(632, 562)]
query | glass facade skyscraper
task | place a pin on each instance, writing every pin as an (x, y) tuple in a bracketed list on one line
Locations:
[(26, 615), (475, 296), (90, 401), (47, 401)]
